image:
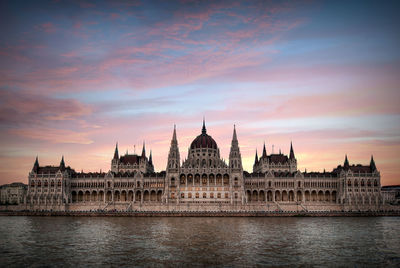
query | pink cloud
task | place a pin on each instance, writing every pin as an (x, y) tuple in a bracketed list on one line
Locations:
[(23, 107)]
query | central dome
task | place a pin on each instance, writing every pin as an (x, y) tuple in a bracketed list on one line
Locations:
[(203, 140)]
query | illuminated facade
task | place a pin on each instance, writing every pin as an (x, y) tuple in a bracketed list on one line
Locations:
[(205, 182)]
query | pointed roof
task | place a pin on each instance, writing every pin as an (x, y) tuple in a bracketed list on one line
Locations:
[(256, 159), (346, 162), (234, 138), (291, 156), (144, 150), (36, 165), (204, 130), (150, 159), (116, 154), (62, 163), (174, 135), (372, 164), (264, 151)]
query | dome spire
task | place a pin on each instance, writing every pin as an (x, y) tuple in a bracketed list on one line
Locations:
[(204, 130)]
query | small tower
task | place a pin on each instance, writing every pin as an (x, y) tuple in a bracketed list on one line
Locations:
[(236, 170), (372, 164), (144, 151), (173, 156), (256, 159), (291, 156), (36, 165), (62, 164), (235, 159), (115, 160), (346, 164), (116, 154), (292, 159), (264, 154), (151, 159), (172, 176)]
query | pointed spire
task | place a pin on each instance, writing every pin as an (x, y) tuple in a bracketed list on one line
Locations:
[(234, 138), (150, 159), (264, 151), (346, 163), (62, 163), (144, 150), (372, 164), (174, 135), (256, 159), (36, 165), (291, 151), (116, 154), (204, 130)]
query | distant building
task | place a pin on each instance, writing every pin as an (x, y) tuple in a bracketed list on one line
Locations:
[(205, 181), (391, 194), (13, 194)]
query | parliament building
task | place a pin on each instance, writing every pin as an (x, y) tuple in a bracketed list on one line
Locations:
[(204, 182)]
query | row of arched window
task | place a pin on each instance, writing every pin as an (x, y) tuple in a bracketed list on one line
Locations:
[(204, 195), (362, 183), (45, 183)]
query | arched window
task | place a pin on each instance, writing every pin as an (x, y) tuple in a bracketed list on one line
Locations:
[(183, 179), (349, 183), (46, 184), (197, 195), (182, 195), (211, 195), (172, 181), (52, 183), (219, 195), (189, 195), (32, 183), (204, 195), (236, 181), (375, 183)]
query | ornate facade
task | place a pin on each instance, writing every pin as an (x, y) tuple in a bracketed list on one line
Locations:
[(205, 182)]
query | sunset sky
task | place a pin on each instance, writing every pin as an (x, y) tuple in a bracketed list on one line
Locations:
[(78, 76)]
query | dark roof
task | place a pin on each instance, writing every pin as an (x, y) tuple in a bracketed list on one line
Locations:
[(278, 158), (355, 169), (130, 159), (52, 169)]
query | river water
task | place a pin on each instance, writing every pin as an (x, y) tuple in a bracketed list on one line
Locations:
[(199, 241)]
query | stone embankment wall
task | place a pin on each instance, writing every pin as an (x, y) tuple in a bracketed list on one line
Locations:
[(200, 214), (266, 209)]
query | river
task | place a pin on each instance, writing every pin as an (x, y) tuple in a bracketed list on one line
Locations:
[(199, 241)]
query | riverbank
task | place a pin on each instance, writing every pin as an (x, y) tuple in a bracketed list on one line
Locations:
[(199, 214)]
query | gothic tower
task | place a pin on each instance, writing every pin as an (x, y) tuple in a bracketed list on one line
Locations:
[(173, 165), (236, 170)]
